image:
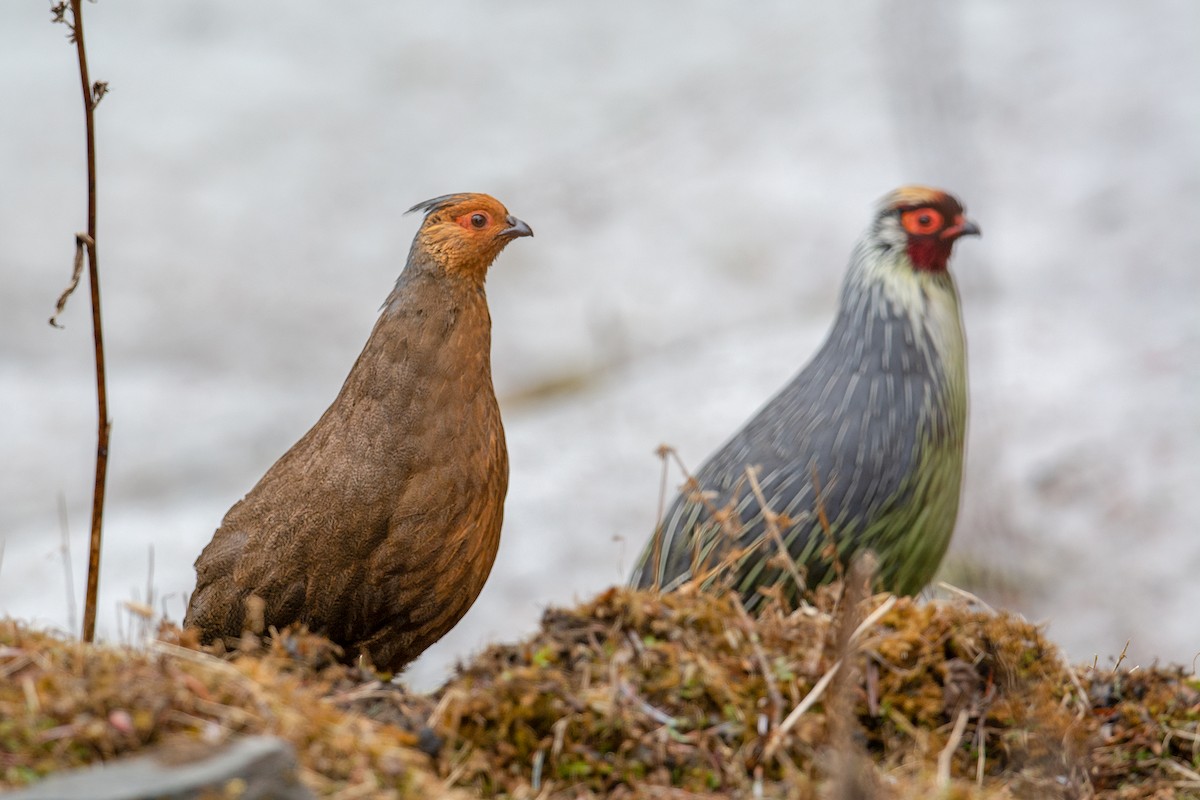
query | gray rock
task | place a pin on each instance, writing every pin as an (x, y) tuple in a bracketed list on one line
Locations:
[(253, 768)]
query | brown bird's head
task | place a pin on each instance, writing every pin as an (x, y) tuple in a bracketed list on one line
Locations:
[(924, 222), (463, 233)]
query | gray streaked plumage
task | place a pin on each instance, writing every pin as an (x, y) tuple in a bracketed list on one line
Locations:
[(379, 527), (869, 435)]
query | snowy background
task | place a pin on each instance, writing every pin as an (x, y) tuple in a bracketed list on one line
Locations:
[(696, 181)]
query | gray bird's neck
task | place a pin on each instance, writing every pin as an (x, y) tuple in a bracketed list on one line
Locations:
[(900, 327)]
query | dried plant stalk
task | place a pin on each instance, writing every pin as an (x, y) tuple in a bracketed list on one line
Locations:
[(92, 94)]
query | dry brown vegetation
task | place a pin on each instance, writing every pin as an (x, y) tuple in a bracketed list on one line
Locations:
[(636, 694)]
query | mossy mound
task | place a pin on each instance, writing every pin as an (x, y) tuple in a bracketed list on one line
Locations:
[(637, 695), (64, 704), (635, 691)]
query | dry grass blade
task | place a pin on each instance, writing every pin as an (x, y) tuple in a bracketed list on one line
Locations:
[(1121, 657), (65, 553), (882, 609), (968, 596), (771, 520), (810, 699), (823, 520), (1085, 704), (760, 657), (947, 754), (726, 522), (819, 687), (664, 452)]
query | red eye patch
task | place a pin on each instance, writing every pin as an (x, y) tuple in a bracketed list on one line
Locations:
[(476, 220), (921, 221)]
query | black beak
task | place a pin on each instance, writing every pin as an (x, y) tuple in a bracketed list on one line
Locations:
[(965, 227), (516, 228)]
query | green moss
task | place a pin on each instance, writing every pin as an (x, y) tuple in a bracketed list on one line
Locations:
[(574, 770), (545, 656)]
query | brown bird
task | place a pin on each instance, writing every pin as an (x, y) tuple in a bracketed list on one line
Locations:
[(379, 527)]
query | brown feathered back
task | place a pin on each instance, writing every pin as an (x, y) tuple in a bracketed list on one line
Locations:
[(379, 527)]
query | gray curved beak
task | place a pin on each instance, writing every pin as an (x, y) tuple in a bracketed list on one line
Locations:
[(516, 228), (965, 227)]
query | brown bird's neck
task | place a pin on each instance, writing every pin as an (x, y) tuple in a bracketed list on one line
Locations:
[(426, 285), (432, 343), (433, 248), (449, 309)]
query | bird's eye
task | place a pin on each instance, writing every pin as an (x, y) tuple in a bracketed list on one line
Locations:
[(921, 221), (477, 220)]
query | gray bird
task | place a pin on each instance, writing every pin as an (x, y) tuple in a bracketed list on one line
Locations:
[(863, 449)]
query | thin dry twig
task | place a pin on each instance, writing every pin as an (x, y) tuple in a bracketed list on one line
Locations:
[(981, 750), (1175, 766), (773, 694), (823, 519), (663, 452), (92, 94), (801, 708), (850, 772), (1085, 704), (968, 596), (65, 552), (656, 714), (1120, 658), (947, 754), (873, 617), (722, 517), (196, 657), (771, 520), (735, 555), (821, 685), (696, 493)]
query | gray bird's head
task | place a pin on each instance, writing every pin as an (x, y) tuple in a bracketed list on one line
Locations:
[(924, 223)]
